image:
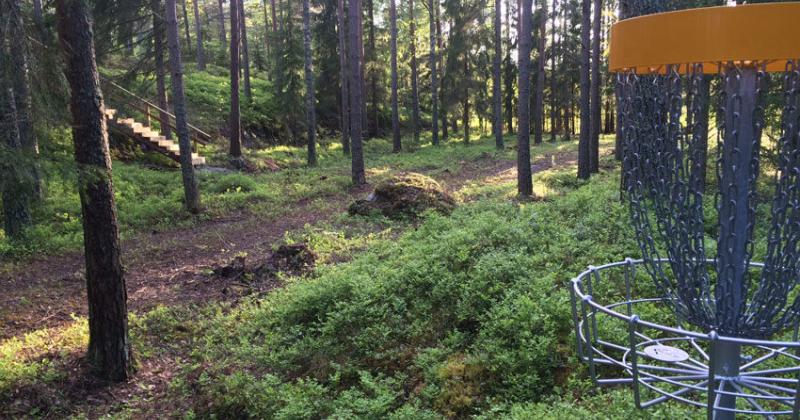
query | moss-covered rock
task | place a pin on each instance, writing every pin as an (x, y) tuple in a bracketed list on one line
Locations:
[(406, 195)]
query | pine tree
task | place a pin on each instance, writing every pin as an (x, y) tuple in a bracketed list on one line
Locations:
[(245, 63), (594, 144), (396, 140), (14, 184), (344, 108), (223, 39), (201, 53), (524, 175), (156, 7), (109, 350), (235, 131), (311, 116), (538, 113), (497, 100), (584, 158), (191, 193), (415, 119), (434, 75), (356, 97), (186, 27)]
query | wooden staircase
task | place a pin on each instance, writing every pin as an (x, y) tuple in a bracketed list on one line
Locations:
[(127, 103), (148, 137)]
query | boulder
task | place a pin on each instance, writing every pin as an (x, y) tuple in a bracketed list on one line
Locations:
[(405, 196)]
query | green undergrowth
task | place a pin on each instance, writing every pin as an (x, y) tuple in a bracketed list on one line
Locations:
[(466, 315), (150, 198)]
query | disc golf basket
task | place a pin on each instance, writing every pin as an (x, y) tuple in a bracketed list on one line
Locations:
[(696, 319)]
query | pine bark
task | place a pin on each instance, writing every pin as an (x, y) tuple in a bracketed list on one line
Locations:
[(442, 92), (434, 75), (595, 89), (414, 76), (235, 130), (373, 75), (223, 39), (538, 113), (397, 145), (497, 91), (266, 32), (201, 53), (109, 347), (524, 175), (311, 115), (465, 118), (343, 76), (190, 190), (248, 90), (16, 196), (356, 97), (509, 74), (186, 27), (20, 78), (584, 146), (158, 51), (553, 96)]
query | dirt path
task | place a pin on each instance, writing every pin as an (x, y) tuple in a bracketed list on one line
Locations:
[(168, 268)]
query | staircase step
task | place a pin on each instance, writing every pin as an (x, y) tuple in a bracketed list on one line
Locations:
[(145, 134)]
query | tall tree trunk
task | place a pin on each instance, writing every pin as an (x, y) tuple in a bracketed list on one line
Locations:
[(414, 88), (584, 152), (434, 75), (343, 76), (396, 140), (538, 113), (356, 98), (465, 116), (186, 27), (364, 96), (524, 175), (568, 98), (266, 33), (20, 78), (201, 53), (16, 193), (16, 197), (274, 16), (223, 39), (442, 92), (553, 83), (497, 95), (373, 75), (235, 131), (595, 89), (311, 115), (248, 90), (509, 74), (109, 347), (190, 191), (158, 51)]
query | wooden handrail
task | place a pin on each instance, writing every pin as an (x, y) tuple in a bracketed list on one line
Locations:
[(200, 135)]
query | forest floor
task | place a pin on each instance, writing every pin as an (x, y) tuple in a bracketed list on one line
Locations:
[(175, 269)]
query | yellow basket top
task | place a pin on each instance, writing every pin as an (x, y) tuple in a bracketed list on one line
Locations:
[(762, 34)]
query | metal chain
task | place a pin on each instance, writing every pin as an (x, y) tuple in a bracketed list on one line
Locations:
[(663, 178)]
